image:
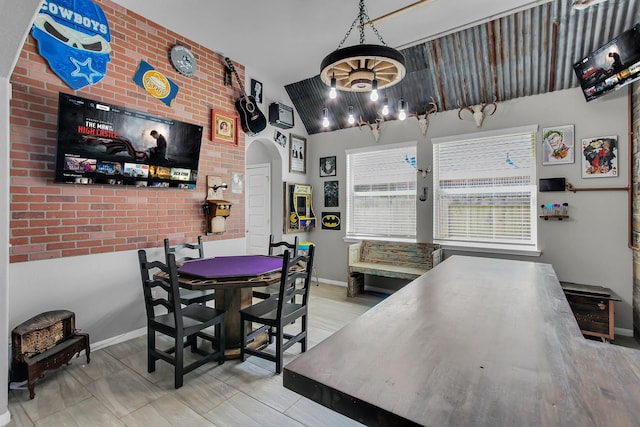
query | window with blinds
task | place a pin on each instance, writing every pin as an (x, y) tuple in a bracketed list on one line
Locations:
[(485, 190), (381, 192)]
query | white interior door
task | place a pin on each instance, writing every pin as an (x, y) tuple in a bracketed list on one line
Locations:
[(258, 208)]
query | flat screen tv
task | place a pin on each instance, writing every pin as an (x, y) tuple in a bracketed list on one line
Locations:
[(100, 143), (611, 66)]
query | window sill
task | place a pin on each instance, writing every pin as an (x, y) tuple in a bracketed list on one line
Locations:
[(376, 238), (502, 251)]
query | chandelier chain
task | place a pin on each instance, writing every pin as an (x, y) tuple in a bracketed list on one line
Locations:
[(362, 14)]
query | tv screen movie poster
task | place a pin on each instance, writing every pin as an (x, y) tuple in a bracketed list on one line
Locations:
[(99, 142)]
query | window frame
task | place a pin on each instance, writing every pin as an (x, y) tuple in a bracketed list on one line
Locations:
[(350, 233), (491, 246)]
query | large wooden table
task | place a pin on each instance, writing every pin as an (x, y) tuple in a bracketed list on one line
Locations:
[(473, 342)]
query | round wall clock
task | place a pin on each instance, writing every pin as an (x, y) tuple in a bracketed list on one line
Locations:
[(183, 60)]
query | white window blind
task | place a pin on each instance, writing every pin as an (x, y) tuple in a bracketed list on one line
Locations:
[(485, 190), (381, 192)]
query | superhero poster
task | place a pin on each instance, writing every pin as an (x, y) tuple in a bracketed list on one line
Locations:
[(331, 220), (600, 157), (557, 145)]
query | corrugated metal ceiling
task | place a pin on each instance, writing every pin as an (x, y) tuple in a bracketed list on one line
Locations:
[(528, 53)]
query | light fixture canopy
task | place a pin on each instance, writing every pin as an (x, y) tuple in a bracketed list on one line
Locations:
[(355, 68)]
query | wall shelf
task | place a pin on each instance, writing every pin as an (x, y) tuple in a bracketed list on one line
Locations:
[(558, 217)]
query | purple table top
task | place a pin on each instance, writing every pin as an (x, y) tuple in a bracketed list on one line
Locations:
[(231, 266)]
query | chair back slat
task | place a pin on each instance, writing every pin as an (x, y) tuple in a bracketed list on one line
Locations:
[(277, 248), (167, 293), (185, 251), (291, 274)]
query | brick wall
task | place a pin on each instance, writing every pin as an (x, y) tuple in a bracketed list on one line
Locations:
[(50, 220)]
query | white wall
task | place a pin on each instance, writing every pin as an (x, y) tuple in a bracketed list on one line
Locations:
[(103, 290), (590, 247), (5, 94), (263, 149)]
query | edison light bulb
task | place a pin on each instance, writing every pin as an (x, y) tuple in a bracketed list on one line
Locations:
[(385, 109), (325, 122), (333, 93)]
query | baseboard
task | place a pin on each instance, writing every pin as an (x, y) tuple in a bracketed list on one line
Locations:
[(118, 339), (333, 282), (379, 290), (5, 418), (623, 332)]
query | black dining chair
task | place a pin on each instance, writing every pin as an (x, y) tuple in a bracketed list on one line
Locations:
[(275, 249), (274, 314), (166, 315), (194, 251)]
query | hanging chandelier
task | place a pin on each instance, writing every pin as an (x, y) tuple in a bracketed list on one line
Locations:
[(363, 67)]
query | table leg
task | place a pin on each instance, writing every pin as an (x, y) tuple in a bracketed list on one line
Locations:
[(232, 300)]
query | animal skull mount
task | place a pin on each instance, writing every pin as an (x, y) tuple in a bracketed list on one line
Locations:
[(478, 111), (375, 128), (423, 118)]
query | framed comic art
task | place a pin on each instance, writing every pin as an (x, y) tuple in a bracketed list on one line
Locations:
[(600, 157), (331, 190), (224, 127), (297, 154), (328, 166), (558, 145)]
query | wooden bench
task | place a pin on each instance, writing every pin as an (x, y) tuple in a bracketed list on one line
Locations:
[(46, 341), (389, 259)]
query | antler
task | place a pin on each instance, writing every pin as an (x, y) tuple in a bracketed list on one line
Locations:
[(363, 122), (465, 107), (434, 109), (494, 103), (423, 118)]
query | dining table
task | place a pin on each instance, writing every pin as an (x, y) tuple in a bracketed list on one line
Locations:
[(475, 341), (232, 278)]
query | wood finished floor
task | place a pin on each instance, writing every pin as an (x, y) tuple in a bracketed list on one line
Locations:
[(116, 390)]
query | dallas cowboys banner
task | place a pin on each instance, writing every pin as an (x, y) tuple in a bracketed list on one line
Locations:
[(73, 37)]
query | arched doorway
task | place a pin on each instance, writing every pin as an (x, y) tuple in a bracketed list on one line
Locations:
[(263, 195)]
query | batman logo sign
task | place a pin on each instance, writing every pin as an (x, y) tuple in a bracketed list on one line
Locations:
[(331, 221)]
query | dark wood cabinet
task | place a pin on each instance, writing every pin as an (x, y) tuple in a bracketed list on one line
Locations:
[(593, 308)]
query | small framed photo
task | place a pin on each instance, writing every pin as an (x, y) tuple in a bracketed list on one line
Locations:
[(256, 90), (297, 154), (224, 127), (237, 182), (328, 166), (600, 157), (558, 145), (280, 138)]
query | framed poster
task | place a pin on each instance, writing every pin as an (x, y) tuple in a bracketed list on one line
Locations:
[(328, 166), (330, 220), (256, 90), (558, 145), (224, 127), (297, 154), (600, 157), (331, 189)]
